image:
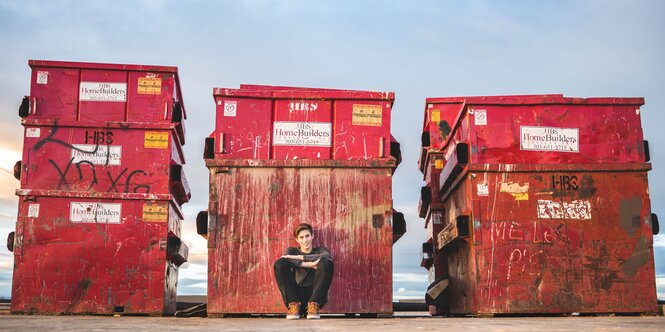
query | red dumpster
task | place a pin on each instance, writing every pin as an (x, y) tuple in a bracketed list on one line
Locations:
[(96, 253), (281, 156), (98, 228), (552, 215)]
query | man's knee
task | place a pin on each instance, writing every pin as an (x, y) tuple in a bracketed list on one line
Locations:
[(326, 264), (281, 263)]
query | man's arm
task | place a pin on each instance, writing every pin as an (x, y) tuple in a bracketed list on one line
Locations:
[(291, 255), (321, 253)]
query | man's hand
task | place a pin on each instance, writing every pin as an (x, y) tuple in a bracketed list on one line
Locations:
[(311, 265)]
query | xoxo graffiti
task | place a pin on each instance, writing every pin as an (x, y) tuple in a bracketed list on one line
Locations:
[(82, 171)]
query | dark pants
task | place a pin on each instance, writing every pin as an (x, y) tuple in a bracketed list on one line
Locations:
[(316, 292)]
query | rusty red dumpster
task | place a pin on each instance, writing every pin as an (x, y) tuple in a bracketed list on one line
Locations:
[(281, 156), (96, 253), (98, 228), (545, 207)]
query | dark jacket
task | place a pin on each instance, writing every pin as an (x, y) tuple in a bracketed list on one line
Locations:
[(305, 277)]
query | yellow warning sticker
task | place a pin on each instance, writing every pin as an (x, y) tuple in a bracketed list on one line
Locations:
[(436, 116), (156, 140), (157, 212), (367, 115), (438, 164), (149, 86)]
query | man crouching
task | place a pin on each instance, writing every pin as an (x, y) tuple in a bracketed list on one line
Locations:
[(304, 275)]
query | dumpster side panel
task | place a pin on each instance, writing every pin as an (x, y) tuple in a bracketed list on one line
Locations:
[(243, 128), (150, 95), (102, 92), (98, 159), (361, 129), (102, 95), (439, 122), (555, 242), (56, 92), (253, 212), (555, 134), (302, 129), (66, 262)]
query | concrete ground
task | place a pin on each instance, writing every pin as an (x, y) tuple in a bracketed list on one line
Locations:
[(402, 322)]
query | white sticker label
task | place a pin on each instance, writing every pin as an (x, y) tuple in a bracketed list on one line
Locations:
[(95, 212), (577, 209), (480, 117), (33, 210), (302, 133), (103, 91), (483, 190), (42, 77), (230, 108), (436, 218), (33, 132), (97, 154), (549, 139)]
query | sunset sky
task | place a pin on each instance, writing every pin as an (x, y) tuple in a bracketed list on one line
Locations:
[(417, 49)]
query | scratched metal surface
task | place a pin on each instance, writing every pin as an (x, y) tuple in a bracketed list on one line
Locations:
[(504, 129), (254, 209), (65, 265), (346, 124), (552, 242), (132, 158)]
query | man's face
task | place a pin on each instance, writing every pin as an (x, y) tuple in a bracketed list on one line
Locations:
[(304, 239)]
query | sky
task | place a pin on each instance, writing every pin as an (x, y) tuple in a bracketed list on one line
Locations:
[(417, 49)]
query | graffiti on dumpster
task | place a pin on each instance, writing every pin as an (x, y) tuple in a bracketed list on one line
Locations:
[(126, 185), (91, 155), (577, 209), (532, 232), (564, 182)]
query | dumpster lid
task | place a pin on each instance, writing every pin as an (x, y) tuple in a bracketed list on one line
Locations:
[(287, 92), (103, 66), (114, 66), (535, 100)]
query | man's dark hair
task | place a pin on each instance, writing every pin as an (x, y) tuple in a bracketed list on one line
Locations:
[(301, 227)]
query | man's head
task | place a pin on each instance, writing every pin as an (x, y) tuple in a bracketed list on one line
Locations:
[(304, 237)]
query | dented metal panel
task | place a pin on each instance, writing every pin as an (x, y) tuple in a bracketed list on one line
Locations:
[(76, 254), (254, 206), (551, 242), (263, 122)]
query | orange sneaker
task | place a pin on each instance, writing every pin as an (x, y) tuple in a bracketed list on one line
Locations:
[(293, 311), (313, 310)]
